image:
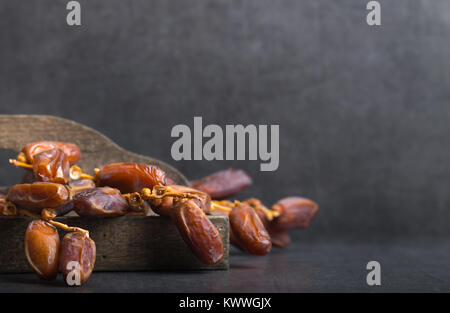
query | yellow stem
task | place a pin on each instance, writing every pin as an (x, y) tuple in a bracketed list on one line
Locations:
[(76, 173), (226, 205), (83, 175), (160, 192), (270, 214), (218, 205), (54, 223), (20, 164)]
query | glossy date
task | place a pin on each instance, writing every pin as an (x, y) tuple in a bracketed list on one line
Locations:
[(164, 206), (71, 150), (51, 166), (295, 212), (77, 260), (197, 231), (249, 231), (278, 236), (37, 196), (42, 249), (223, 184), (130, 177), (79, 185), (100, 202)]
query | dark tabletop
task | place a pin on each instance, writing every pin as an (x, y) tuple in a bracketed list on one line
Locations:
[(302, 267)]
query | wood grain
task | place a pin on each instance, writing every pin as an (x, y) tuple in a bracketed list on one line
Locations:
[(18, 130), (128, 243)]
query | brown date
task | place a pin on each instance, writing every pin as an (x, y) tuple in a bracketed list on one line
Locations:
[(77, 248), (71, 150), (226, 212), (295, 212), (42, 249), (197, 231), (76, 186), (223, 184), (100, 202), (51, 166), (130, 177), (63, 209), (249, 231), (279, 237), (163, 206), (37, 196)]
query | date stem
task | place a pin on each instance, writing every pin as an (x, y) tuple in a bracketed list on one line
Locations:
[(47, 215), (218, 205), (228, 206), (77, 173), (270, 214), (160, 192), (17, 163), (54, 223)]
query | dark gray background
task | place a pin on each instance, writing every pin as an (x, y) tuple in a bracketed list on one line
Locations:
[(363, 111)]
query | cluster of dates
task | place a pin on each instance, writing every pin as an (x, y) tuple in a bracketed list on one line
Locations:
[(134, 189)]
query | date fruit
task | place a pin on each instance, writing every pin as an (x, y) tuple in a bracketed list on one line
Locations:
[(130, 177), (42, 249), (295, 212), (71, 150), (249, 231), (278, 236), (51, 166), (163, 206), (78, 253), (223, 184), (63, 209), (100, 202), (37, 196), (79, 185), (197, 231)]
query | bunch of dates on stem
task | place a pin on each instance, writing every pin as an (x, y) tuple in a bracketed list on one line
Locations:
[(128, 189)]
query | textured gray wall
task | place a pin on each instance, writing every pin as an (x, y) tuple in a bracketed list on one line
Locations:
[(363, 111)]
